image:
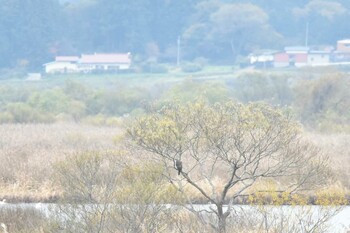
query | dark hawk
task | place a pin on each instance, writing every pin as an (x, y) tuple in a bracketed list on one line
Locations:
[(178, 166)]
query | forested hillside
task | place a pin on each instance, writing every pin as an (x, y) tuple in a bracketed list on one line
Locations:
[(33, 32)]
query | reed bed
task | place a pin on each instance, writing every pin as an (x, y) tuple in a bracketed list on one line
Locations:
[(28, 152)]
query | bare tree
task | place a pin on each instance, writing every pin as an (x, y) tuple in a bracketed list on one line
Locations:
[(106, 192), (89, 182), (224, 149)]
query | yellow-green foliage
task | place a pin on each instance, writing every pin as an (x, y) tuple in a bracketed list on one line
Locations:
[(173, 127), (88, 176), (91, 176), (272, 197), (267, 193), (144, 184), (118, 139), (324, 103), (239, 143), (331, 196), (190, 90), (97, 120), (6, 117), (52, 100), (24, 113), (163, 130), (103, 120)]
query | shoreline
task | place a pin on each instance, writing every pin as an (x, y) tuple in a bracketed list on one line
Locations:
[(56, 198)]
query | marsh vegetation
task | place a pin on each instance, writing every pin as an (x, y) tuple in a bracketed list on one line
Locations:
[(110, 144)]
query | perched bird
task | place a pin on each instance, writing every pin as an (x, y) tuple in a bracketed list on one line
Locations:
[(178, 166)]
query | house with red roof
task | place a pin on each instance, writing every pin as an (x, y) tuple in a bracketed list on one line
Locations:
[(104, 62), (292, 56), (87, 63), (300, 56), (342, 53), (62, 64), (297, 56)]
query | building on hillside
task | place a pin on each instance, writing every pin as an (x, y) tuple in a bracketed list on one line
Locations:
[(301, 56), (62, 64), (297, 56), (343, 46), (292, 56), (319, 58), (262, 59), (106, 62), (342, 53)]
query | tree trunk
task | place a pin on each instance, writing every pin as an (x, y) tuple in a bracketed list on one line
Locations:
[(221, 219)]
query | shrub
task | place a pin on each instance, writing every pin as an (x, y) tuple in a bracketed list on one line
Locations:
[(24, 113), (153, 67), (95, 102), (190, 90), (53, 100), (76, 90), (26, 219), (191, 67), (201, 61), (88, 176), (6, 117), (76, 109), (137, 112), (257, 86), (119, 197), (97, 120), (122, 101), (324, 103), (113, 121)]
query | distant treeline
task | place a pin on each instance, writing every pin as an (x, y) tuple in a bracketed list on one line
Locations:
[(319, 103), (32, 32)]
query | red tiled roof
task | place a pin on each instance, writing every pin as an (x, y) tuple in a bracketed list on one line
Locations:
[(105, 58), (67, 58)]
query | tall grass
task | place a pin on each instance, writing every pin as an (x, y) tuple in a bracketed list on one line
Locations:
[(27, 152), (25, 220), (338, 148)]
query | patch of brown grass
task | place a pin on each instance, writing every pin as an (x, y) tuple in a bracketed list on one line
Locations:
[(27, 152), (25, 220), (337, 146)]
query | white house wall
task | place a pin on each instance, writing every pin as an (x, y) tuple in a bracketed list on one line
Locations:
[(318, 59), (124, 66), (60, 67), (93, 67)]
